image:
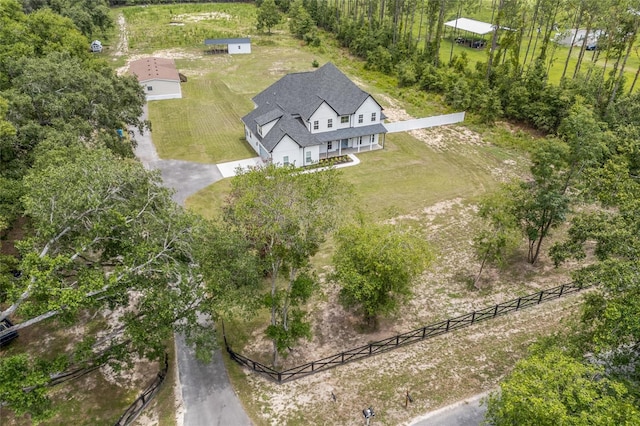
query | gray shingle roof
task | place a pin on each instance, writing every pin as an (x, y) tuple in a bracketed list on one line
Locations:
[(295, 97), (209, 41), (269, 116)]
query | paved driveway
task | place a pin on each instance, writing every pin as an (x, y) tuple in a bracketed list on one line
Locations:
[(207, 395)]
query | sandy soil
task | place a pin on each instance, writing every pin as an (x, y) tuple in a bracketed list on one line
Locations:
[(197, 17)]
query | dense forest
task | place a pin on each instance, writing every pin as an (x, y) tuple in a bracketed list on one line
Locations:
[(102, 234)]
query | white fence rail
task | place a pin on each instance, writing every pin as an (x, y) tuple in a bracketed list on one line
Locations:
[(423, 123)]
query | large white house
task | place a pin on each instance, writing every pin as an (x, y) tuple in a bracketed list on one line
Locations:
[(308, 116)]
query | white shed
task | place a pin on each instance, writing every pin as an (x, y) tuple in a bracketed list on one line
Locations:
[(158, 76), (232, 46)]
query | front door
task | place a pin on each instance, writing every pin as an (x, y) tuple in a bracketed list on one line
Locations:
[(344, 143)]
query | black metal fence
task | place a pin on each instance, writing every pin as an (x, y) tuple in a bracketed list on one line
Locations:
[(147, 396), (412, 336)]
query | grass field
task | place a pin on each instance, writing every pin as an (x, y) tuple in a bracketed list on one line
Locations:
[(430, 179)]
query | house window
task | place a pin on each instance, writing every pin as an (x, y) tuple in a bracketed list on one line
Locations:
[(373, 116), (285, 160), (360, 119), (149, 88), (330, 123), (344, 119), (308, 158), (360, 140), (316, 125), (329, 146), (372, 139)]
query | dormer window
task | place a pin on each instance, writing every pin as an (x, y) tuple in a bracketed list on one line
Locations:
[(360, 119), (329, 123), (373, 116), (316, 125), (344, 119)]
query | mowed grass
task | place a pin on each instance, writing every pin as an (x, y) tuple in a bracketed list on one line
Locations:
[(406, 176), (204, 126)]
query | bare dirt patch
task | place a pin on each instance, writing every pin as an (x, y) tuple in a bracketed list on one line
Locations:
[(198, 17), (443, 291), (436, 372), (122, 48)]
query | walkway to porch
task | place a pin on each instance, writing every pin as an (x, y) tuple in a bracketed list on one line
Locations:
[(345, 151)]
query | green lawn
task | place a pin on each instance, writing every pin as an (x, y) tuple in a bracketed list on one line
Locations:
[(406, 176), (186, 25), (204, 126)]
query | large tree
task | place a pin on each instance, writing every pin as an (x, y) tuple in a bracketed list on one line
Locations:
[(108, 240), (268, 15), (376, 265), (286, 214), (499, 237), (554, 389)]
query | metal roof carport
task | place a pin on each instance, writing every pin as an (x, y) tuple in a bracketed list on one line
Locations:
[(470, 25)]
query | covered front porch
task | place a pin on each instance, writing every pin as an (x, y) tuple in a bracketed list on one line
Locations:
[(352, 140), (346, 151)]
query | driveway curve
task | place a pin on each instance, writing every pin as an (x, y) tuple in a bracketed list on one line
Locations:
[(208, 398)]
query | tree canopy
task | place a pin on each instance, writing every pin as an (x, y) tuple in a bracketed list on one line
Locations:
[(376, 265), (268, 15), (286, 215), (553, 388)]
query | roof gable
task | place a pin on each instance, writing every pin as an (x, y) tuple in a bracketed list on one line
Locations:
[(302, 93)]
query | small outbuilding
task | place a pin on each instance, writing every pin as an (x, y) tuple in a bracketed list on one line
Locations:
[(232, 46), (96, 46), (158, 76)]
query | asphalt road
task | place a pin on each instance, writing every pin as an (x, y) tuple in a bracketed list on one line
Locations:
[(468, 412), (208, 399)]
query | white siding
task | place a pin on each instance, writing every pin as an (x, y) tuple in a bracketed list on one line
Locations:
[(322, 115), (315, 154), (368, 107), (239, 48), (287, 147), (267, 127), (162, 89), (252, 139)]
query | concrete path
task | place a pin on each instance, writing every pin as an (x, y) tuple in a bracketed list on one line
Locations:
[(207, 395), (468, 412), (229, 169)]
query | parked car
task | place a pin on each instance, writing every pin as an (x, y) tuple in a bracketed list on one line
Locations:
[(7, 338), (592, 46)]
